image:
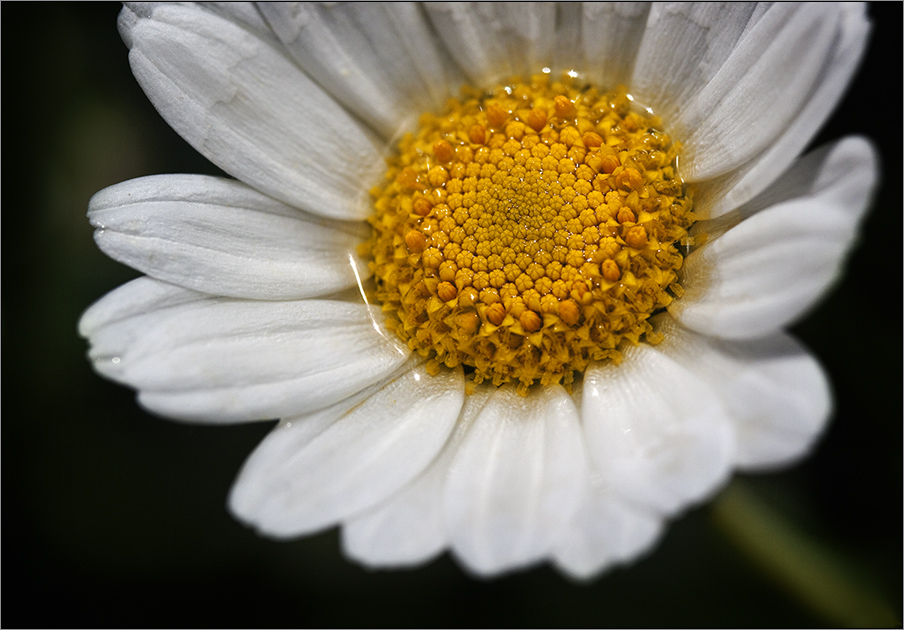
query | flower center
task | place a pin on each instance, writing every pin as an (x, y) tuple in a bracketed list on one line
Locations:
[(529, 231)]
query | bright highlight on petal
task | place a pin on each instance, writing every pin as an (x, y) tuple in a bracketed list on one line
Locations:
[(518, 346)]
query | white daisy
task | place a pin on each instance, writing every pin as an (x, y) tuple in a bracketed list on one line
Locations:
[(251, 307)]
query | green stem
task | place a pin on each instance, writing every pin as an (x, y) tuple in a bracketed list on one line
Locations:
[(811, 572)]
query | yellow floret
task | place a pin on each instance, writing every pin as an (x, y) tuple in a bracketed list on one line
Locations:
[(528, 232)]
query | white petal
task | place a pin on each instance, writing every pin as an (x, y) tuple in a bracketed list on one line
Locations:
[(759, 91), (224, 360), (765, 272), (567, 52), (681, 48), (789, 403), (606, 530), (657, 433), (131, 299), (516, 479), (245, 14), (611, 33), (717, 197), (379, 59), (312, 472), (774, 391), (493, 41), (245, 106), (221, 237), (409, 529), (406, 530)]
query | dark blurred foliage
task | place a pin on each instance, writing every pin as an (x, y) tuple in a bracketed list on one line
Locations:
[(112, 517)]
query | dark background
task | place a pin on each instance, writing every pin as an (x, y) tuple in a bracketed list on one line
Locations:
[(112, 517)]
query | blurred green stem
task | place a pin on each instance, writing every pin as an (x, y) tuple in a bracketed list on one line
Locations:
[(815, 575)]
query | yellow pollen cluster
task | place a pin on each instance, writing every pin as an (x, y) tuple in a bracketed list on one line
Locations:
[(529, 231)]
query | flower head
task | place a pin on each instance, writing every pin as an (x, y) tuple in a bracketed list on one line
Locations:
[(563, 323)]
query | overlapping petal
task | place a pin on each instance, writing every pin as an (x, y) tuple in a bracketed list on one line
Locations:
[(410, 527), (759, 89), (774, 392), (379, 59), (516, 479), (492, 41), (245, 14), (766, 271), (212, 359), (251, 111), (131, 300), (313, 471), (221, 237), (656, 432), (606, 530), (681, 47), (722, 194), (611, 34)]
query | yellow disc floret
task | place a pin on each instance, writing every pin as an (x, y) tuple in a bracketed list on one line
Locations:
[(529, 231)]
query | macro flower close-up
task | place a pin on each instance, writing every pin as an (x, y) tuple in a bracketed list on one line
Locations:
[(514, 278)]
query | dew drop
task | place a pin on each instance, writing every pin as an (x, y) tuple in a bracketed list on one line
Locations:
[(101, 362)]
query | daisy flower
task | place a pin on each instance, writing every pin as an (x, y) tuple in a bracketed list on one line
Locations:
[(513, 277)]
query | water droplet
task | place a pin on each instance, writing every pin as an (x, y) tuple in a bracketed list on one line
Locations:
[(101, 362)]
